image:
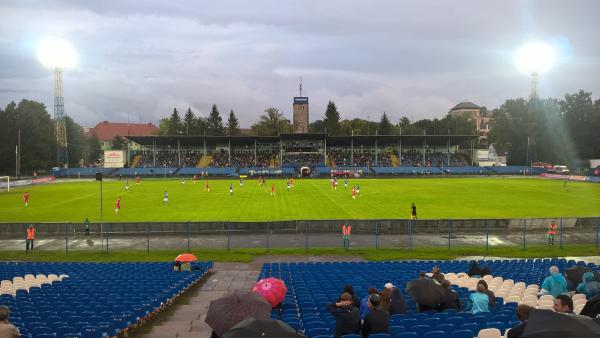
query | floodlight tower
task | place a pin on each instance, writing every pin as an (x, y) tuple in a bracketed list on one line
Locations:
[(58, 55), (534, 59)]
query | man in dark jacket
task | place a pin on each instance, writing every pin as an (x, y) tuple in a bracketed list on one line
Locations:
[(523, 315), (378, 321), (347, 317)]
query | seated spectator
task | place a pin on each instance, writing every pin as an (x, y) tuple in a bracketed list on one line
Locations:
[(555, 284), (378, 321), (451, 299), (474, 271), (486, 271), (523, 315), (591, 308), (186, 266), (7, 329), (397, 305), (438, 276), (364, 303), (347, 317), (386, 296), (488, 292), (355, 300), (588, 286), (480, 302), (177, 266), (563, 304)]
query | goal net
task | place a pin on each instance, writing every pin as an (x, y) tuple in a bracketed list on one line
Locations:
[(4, 183)]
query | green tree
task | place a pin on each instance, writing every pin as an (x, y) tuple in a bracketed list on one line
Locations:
[(316, 127), (201, 126), (215, 123), (175, 124), (331, 121), (38, 142), (92, 150), (404, 125), (233, 125), (75, 143), (118, 143), (189, 122), (272, 123), (385, 126), (163, 126)]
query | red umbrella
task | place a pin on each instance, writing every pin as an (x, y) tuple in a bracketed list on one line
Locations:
[(273, 290), (186, 257)]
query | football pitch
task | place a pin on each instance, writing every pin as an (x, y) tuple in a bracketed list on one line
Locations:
[(455, 198)]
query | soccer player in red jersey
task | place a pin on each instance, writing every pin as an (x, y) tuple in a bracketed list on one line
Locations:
[(353, 193), (206, 186), (137, 180), (26, 198), (118, 205), (195, 178), (273, 189)]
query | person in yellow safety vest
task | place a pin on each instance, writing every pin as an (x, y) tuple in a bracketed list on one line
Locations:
[(30, 238), (551, 232)]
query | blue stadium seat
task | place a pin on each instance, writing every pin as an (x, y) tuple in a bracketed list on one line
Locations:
[(406, 335), (435, 334), (495, 325), (462, 334)]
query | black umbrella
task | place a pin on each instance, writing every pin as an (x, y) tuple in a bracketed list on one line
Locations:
[(261, 328), (592, 307), (227, 311), (426, 292), (550, 324), (575, 274)]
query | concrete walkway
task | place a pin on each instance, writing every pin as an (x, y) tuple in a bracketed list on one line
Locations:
[(186, 319)]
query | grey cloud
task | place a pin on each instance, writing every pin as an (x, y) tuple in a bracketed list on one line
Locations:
[(139, 59)]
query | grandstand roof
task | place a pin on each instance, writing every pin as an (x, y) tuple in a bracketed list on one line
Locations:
[(465, 105), (106, 131), (435, 140)]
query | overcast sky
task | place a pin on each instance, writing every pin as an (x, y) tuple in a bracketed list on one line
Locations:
[(139, 59)]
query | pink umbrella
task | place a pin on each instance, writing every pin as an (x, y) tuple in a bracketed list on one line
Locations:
[(273, 290)]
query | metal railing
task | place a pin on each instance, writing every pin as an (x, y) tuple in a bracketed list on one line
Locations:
[(384, 233)]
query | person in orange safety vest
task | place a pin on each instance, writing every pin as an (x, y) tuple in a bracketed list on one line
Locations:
[(551, 232), (30, 238)]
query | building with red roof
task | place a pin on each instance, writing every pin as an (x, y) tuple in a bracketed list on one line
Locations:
[(106, 131)]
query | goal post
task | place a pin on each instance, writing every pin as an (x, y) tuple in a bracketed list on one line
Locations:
[(5, 183)]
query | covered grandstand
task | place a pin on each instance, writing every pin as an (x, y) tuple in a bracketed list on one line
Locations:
[(311, 155)]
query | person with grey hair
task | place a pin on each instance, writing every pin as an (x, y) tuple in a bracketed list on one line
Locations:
[(7, 330), (555, 284)]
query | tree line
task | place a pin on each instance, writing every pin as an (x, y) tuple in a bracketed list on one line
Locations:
[(38, 141), (549, 130)]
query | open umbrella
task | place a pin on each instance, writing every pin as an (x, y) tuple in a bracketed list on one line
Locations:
[(186, 257), (225, 312), (550, 324), (261, 328), (271, 289), (425, 292)]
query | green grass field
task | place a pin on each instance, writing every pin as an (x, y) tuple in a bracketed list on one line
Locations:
[(494, 197)]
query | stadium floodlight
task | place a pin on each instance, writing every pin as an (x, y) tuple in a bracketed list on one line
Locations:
[(535, 58), (56, 53)]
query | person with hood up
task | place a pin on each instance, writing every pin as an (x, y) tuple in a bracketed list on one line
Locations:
[(474, 271), (555, 284), (347, 317), (588, 286), (488, 292)]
